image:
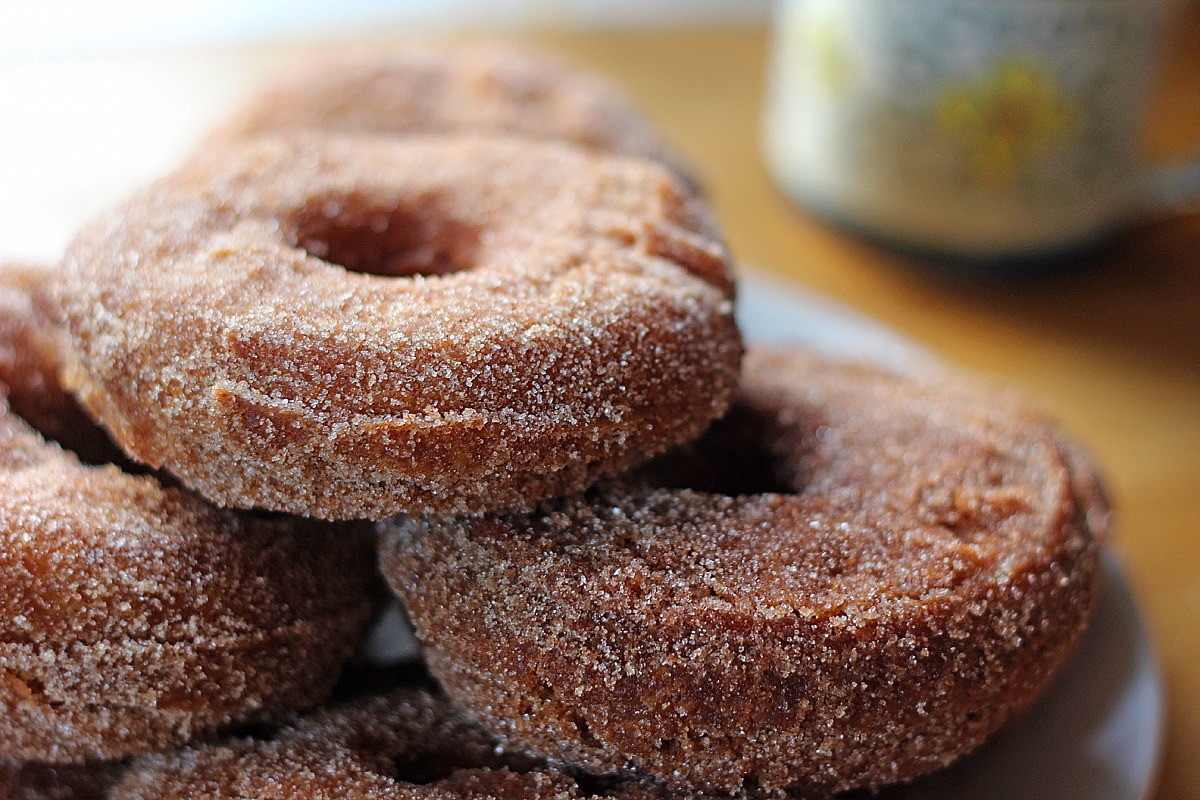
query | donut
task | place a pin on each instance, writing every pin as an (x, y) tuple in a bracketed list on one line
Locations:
[(428, 87), (406, 743), (31, 349), (853, 579), (134, 616), (348, 328)]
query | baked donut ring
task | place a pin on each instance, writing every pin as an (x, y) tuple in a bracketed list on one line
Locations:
[(406, 743), (877, 573), (134, 616), (427, 87), (349, 327)]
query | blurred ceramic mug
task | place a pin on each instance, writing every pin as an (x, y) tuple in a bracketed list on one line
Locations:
[(984, 129)]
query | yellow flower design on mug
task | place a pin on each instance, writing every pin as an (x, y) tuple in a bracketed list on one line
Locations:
[(833, 57), (821, 50), (1006, 119)]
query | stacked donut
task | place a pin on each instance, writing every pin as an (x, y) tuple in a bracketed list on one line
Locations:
[(470, 295)]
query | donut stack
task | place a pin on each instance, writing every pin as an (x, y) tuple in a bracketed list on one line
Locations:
[(469, 295)]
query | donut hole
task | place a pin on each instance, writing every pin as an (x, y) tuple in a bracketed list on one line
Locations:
[(741, 454), (436, 760), (420, 768), (421, 238)]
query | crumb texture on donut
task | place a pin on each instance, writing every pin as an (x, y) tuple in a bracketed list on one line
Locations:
[(404, 744), (512, 320), (134, 616), (903, 569)]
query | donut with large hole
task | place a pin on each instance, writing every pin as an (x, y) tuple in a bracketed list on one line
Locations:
[(852, 580), (346, 327)]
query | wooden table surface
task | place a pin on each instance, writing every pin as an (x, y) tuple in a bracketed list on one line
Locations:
[(1113, 350)]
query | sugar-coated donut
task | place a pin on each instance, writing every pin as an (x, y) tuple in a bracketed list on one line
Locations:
[(134, 616), (430, 87), (874, 575), (31, 354), (404, 744), (344, 327)]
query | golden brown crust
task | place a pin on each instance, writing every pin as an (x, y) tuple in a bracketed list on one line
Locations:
[(573, 318), (423, 88), (406, 744), (135, 616), (902, 576)]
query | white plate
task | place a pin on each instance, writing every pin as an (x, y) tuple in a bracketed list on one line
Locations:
[(1097, 732)]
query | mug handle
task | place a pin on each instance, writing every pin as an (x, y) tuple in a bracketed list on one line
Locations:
[(1173, 188)]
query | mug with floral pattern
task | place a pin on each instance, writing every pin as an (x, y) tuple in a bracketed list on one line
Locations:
[(978, 128)]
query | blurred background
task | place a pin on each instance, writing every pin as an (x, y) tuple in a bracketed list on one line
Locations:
[(62, 27)]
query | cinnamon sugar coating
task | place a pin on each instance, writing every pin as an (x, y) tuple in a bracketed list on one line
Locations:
[(352, 327), (869, 576), (134, 616), (403, 745), (428, 87), (31, 356)]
